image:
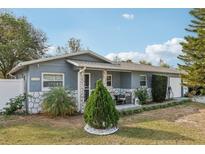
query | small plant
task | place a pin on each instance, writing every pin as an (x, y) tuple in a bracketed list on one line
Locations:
[(100, 111), (15, 104), (142, 95), (58, 102)]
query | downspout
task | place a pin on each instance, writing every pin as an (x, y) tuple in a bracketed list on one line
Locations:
[(79, 88), (83, 69)]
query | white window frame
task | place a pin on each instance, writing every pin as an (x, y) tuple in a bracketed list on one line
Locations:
[(42, 80), (111, 80), (145, 80)]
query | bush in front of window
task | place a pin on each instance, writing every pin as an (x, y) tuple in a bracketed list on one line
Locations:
[(159, 88), (142, 95), (58, 102), (100, 111)]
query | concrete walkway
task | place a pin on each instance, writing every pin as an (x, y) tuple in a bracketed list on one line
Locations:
[(133, 106)]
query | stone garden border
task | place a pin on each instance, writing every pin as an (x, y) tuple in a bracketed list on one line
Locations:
[(100, 132)]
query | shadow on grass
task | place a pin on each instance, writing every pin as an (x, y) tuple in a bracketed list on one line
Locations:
[(145, 133)]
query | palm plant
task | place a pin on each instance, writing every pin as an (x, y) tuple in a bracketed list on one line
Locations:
[(58, 102)]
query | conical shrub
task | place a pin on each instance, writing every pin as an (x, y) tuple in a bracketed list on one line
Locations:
[(100, 111)]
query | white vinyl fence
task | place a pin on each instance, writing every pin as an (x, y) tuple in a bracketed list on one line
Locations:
[(10, 88)]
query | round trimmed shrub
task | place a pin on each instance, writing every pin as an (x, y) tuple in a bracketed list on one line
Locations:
[(58, 102), (159, 88), (100, 111)]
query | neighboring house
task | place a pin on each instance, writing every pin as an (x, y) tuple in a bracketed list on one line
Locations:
[(79, 72)]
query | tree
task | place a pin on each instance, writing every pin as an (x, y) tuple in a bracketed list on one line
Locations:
[(145, 62), (19, 41), (74, 44), (163, 64), (100, 111), (61, 50), (193, 51)]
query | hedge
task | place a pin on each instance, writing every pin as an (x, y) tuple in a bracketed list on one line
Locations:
[(153, 107), (159, 88)]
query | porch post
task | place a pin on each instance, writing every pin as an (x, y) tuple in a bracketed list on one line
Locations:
[(104, 78), (81, 89)]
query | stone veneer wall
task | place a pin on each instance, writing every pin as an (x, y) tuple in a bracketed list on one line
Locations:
[(35, 101), (117, 91)]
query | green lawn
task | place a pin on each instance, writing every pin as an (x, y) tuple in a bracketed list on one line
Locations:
[(182, 124)]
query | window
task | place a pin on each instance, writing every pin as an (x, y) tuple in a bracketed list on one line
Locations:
[(50, 80), (143, 80), (109, 80)]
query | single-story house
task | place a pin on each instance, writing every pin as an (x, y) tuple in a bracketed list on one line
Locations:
[(79, 72)]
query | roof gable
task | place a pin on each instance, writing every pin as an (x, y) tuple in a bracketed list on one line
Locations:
[(88, 57), (84, 52)]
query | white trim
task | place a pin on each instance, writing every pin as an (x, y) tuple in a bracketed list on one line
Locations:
[(89, 83), (72, 62), (42, 80), (144, 75), (79, 103), (111, 80), (28, 81)]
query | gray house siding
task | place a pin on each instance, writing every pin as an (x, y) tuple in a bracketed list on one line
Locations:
[(119, 79), (94, 75), (135, 79), (115, 79), (55, 66), (125, 80)]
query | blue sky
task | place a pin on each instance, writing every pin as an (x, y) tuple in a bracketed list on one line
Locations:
[(133, 33)]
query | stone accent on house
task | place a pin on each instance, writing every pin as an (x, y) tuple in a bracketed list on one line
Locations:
[(74, 94), (80, 94), (36, 98), (122, 91), (127, 92), (104, 76), (34, 102)]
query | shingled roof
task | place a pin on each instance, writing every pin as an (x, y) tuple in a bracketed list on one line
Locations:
[(124, 66)]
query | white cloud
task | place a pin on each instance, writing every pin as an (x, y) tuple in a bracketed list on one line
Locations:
[(168, 51), (128, 16)]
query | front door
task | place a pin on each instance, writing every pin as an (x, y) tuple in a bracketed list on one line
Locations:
[(86, 86)]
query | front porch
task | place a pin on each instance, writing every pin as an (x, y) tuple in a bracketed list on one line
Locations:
[(118, 84)]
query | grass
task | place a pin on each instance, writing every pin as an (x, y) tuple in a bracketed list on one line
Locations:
[(182, 124)]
